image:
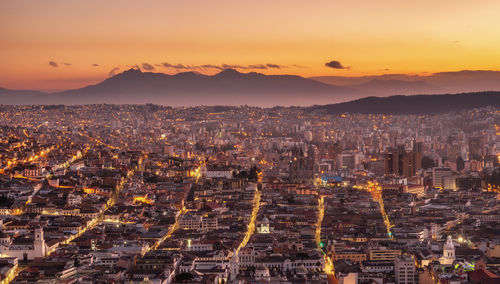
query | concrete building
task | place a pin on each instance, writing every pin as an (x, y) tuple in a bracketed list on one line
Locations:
[(437, 176), (404, 266)]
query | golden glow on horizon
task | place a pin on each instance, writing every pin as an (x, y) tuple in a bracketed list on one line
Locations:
[(372, 37)]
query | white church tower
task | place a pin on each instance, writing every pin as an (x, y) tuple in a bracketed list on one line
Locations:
[(448, 252), (234, 266), (264, 226), (39, 246)]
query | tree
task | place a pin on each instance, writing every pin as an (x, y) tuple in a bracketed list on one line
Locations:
[(184, 277), (427, 162), (253, 175), (494, 178), (460, 163), (6, 201)]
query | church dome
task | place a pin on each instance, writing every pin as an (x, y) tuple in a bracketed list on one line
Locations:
[(262, 271), (449, 244)]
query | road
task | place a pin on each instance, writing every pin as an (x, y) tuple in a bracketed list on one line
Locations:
[(329, 268), (251, 225), (376, 190), (170, 231)]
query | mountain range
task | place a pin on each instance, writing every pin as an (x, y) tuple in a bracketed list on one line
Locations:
[(404, 84), (230, 87)]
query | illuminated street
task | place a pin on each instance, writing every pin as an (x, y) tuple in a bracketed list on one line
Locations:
[(329, 267), (251, 224), (376, 190)]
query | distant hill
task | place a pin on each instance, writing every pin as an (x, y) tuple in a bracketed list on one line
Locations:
[(396, 87), (228, 87), (403, 84), (233, 88), (417, 104), (19, 97)]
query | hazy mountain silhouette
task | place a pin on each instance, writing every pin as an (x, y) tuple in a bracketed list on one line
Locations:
[(228, 87), (442, 82), (17, 97), (396, 87), (417, 104)]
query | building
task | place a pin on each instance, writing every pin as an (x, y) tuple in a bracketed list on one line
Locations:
[(349, 160), (402, 163), (219, 172), (263, 228), (449, 182), (190, 222), (352, 255), (198, 222), (448, 252), (26, 248), (31, 171), (384, 254), (262, 274), (405, 271), (301, 169), (468, 182), (437, 176), (417, 189)]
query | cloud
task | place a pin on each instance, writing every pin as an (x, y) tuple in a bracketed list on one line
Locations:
[(275, 66), (95, 65), (257, 66), (233, 66), (177, 66), (53, 64), (222, 66), (336, 65), (67, 64), (211, 66), (147, 66), (113, 71)]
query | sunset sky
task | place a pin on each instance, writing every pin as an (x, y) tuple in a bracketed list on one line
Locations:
[(52, 45)]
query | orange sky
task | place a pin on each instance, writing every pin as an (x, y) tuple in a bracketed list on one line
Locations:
[(366, 35)]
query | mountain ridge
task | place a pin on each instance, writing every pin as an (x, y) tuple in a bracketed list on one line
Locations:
[(231, 87), (440, 82), (188, 88), (413, 104)]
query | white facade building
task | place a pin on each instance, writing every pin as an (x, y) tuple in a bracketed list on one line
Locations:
[(26, 249)]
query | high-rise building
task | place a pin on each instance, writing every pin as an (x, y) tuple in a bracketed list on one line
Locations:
[(348, 160), (402, 163), (475, 148)]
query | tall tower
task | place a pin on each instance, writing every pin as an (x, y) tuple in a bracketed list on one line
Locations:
[(39, 243), (235, 265)]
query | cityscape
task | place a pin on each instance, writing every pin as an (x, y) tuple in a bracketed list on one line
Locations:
[(134, 193), (235, 142)]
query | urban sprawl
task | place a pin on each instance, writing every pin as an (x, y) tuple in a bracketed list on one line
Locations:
[(154, 194)]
